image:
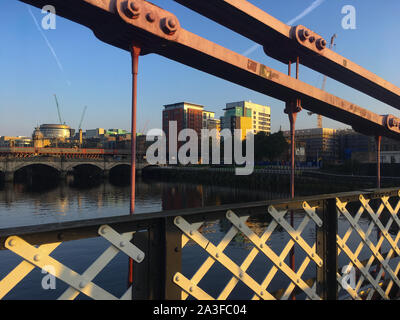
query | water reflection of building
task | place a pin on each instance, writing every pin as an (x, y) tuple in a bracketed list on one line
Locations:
[(257, 224), (182, 196)]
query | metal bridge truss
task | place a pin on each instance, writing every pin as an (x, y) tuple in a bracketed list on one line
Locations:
[(141, 27)]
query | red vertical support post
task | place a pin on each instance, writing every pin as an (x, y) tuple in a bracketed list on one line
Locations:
[(292, 120), (378, 140), (135, 52), (292, 108)]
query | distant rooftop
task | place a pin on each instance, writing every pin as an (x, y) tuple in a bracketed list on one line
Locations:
[(240, 104), (57, 126), (182, 103)]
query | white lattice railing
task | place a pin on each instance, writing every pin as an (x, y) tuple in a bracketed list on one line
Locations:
[(358, 231), (374, 247), (374, 274), (78, 283), (216, 254)]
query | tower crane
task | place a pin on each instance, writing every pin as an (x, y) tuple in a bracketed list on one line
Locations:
[(80, 127), (58, 110), (83, 115), (145, 126), (319, 117)]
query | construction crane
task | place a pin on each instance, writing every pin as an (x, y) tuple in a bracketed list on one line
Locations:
[(144, 127), (58, 110), (83, 115), (319, 117), (80, 127)]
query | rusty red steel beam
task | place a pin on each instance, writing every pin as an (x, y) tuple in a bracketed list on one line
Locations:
[(158, 31), (285, 43)]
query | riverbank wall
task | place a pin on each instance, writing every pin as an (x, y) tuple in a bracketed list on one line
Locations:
[(307, 182)]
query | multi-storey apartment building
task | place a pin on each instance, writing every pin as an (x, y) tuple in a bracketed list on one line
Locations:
[(247, 115), (188, 116)]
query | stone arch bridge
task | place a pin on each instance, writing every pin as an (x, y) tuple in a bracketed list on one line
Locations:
[(10, 166)]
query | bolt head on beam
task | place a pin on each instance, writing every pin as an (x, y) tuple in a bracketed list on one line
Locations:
[(132, 9), (304, 34), (321, 44), (151, 17), (169, 25)]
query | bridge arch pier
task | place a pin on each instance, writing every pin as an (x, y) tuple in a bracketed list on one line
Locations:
[(63, 175), (106, 173), (8, 176)]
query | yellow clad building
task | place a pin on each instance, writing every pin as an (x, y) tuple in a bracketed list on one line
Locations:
[(247, 115)]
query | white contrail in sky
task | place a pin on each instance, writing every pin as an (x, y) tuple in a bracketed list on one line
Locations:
[(308, 10), (47, 42), (311, 8)]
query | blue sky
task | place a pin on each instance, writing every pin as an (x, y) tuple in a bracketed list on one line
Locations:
[(99, 76)]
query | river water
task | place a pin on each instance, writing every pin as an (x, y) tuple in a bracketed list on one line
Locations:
[(21, 205)]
